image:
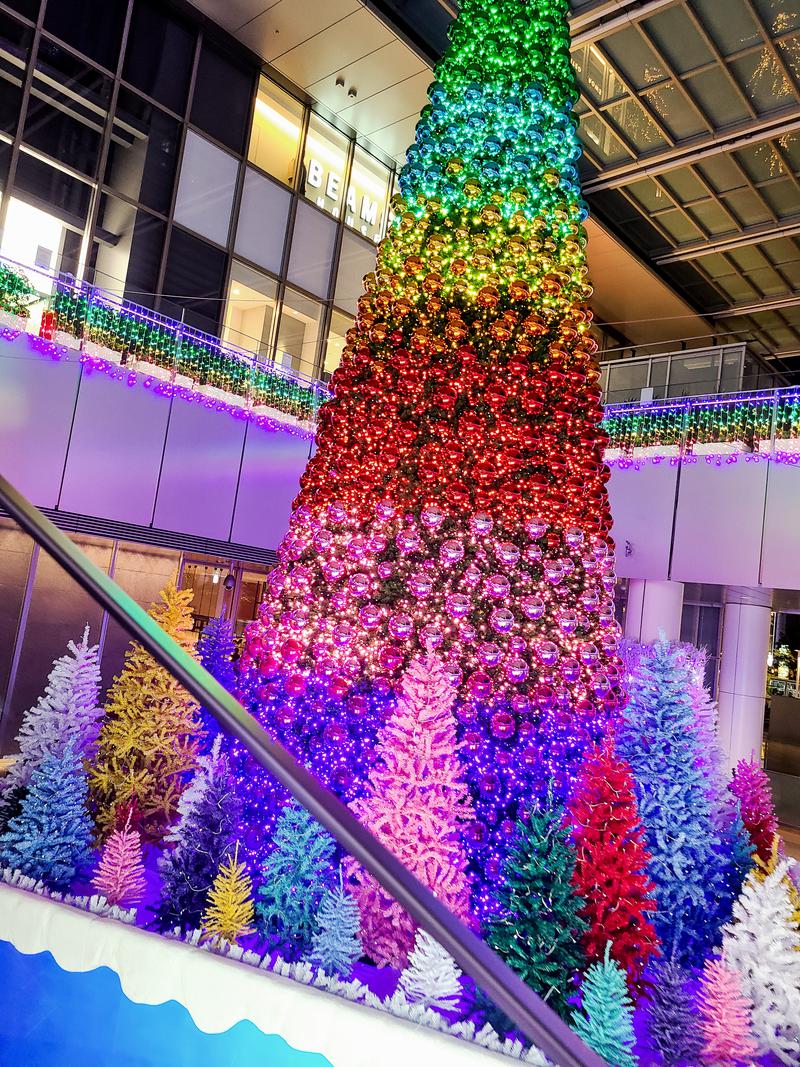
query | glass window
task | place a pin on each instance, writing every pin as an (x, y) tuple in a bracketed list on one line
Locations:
[(335, 342), (356, 259), (747, 207), (311, 254), (275, 134), (675, 112), (28, 8), (128, 246), (94, 30), (712, 217), (250, 310), (15, 558), (694, 375), (596, 75), (66, 196), (142, 571), (678, 40), (261, 230), (631, 54), (298, 332), (36, 238), (601, 143), (222, 96), (59, 611), (324, 165), (635, 125), (730, 24), (15, 45), (193, 281), (367, 195), (143, 152), (205, 189), (712, 91), (626, 381), (163, 72), (205, 576)]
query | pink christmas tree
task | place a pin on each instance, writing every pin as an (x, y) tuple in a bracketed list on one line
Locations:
[(751, 786), (724, 1017), (120, 874), (416, 805)]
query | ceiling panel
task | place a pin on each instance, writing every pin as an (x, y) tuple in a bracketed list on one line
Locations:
[(233, 14), (370, 75), (395, 139), (392, 104), (326, 53), (288, 24)]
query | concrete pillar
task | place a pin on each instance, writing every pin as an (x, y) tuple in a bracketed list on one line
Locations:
[(743, 671), (654, 608)]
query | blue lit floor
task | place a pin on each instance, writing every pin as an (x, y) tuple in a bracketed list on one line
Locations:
[(52, 1017)]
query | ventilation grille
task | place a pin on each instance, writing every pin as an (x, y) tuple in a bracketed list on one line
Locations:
[(72, 522)]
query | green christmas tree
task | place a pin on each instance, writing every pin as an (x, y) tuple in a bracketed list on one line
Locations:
[(605, 1021), (295, 877), (538, 931)]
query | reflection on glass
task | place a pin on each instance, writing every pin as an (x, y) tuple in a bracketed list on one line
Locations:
[(205, 188), (367, 195), (250, 310), (143, 152), (335, 342), (15, 558), (205, 576), (275, 134), (324, 166), (298, 332)]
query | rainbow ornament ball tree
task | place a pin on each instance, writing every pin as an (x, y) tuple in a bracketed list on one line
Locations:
[(456, 501)]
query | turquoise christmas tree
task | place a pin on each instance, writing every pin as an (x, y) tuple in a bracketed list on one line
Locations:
[(51, 838), (335, 946), (687, 866), (538, 930), (295, 877), (605, 1019)]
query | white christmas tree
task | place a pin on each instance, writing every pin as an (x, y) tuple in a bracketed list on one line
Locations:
[(763, 945), (432, 976), (68, 712)]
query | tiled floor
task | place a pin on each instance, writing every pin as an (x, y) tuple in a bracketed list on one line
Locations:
[(792, 838)]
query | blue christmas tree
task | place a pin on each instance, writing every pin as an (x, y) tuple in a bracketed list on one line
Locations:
[(658, 740), (605, 1021), (205, 836), (294, 878), (736, 858), (51, 838), (336, 946), (216, 648), (672, 1018)]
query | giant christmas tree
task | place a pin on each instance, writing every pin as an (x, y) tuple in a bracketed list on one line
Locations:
[(456, 500)]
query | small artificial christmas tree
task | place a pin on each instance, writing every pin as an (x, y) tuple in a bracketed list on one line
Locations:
[(762, 870), (431, 976), (751, 787), (762, 945), (51, 838), (230, 902), (295, 877), (416, 805), (611, 864), (209, 818), (539, 929), (605, 1019), (149, 742), (657, 739), (216, 648), (120, 874), (724, 1017), (67, 713), (672, 1018), (335, 945)]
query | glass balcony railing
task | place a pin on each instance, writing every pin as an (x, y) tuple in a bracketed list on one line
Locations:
[(141, 758)]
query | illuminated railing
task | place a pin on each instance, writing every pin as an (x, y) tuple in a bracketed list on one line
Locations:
[(763, 424), (112, 331)]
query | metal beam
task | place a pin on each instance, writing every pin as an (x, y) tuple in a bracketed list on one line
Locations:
[(605, 19), (752, 235), (696, 151), (537, 1021), (753, 309)]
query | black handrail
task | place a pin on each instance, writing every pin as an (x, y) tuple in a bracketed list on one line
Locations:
[(534, 1018)]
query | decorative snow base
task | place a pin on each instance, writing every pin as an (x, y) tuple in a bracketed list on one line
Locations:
[(219, 992)]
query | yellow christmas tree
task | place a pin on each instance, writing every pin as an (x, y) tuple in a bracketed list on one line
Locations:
[(763, 870), (149, 742), (230, 902)]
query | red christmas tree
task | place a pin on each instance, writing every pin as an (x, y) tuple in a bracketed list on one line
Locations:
[(417, 805), (120, 874), (751, 786), (611, 867), (724, 1017)]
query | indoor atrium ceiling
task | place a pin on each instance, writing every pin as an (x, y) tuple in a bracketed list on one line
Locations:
[(690, 120)]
